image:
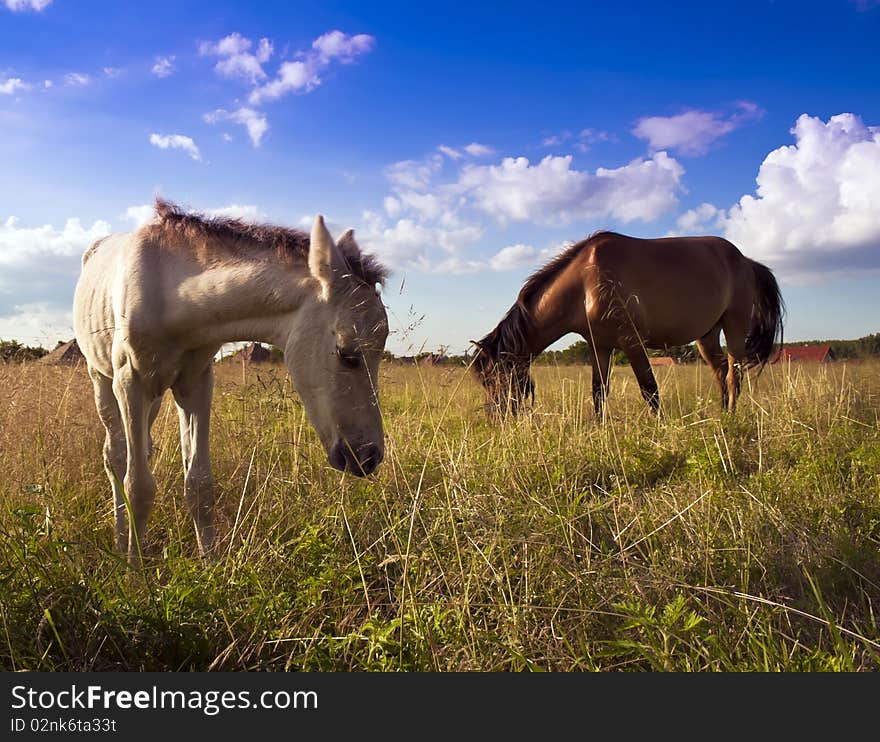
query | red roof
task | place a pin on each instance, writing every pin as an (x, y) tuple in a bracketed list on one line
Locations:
[(795, 353)]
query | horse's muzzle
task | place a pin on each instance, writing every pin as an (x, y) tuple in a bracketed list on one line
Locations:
[(360, 460)]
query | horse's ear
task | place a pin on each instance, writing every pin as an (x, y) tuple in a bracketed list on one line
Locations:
[(347, 242), (321, 254)]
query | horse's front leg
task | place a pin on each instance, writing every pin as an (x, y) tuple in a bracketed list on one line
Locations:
[(193, 399), (600, 360), (135, 404), (641, 366)]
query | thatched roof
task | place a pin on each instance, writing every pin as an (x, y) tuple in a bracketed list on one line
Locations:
[(65, 354)]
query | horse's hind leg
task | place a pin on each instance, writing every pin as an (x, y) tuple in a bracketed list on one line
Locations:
[(114, 452), (641, 367), (710, 348), (193, 398), (600, 360)]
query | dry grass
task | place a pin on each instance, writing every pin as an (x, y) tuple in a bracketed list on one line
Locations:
[(693, 542)]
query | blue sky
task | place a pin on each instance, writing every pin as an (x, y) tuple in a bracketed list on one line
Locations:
[(465, 143)]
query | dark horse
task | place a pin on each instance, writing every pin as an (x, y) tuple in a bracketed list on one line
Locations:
[(635, 294)]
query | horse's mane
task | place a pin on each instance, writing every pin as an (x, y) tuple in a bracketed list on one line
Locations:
[(508, 339), (239, 235)]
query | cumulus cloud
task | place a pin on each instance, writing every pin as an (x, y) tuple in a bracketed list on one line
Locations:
[(140, 214), (245, 212), (478, 150), (581, 141), (236, 59), (513, 256), (450, 152), (38, 269), (337, 45), (304, 74), (176, 141), (438, 207), (254, 121), (11, 84), (551, 191), (814, 212), (163, 66), (706, 218), (292, 77), (18, 5), (76, 79), (113, 72), (693, 131)]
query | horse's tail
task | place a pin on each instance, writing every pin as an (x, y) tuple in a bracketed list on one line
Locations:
[(767, 316)]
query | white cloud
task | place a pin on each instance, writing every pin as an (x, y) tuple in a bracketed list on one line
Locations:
[(143, 213), (38, 269), (76, 79), (254, 121), (245, 212), (706, 218), (11, 84), (16, 5), (815, 210), (112, 72), (304, 74), (236, 59), (176, 141), (513, 256), (451, 153), (478, 150), (553, 192), (47, 84), (292, 77), (433, 219), (692, 132), (139, 215), (337, 45), (413, 173), (163, 66), (580, 141)]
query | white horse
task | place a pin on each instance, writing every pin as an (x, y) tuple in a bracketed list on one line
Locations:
[(152, 308)]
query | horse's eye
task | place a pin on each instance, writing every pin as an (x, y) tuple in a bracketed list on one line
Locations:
[(348, 358)]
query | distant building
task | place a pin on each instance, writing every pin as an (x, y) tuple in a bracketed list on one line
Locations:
[(66, 354), (804, 353), (254, 353)]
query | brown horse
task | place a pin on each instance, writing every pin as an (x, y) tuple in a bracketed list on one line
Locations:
[(636, 294)]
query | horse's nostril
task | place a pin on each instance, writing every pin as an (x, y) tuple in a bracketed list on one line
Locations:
[(360, 460), (337, 457)]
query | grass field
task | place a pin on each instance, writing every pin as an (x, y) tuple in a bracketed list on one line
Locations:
[(693, 542)]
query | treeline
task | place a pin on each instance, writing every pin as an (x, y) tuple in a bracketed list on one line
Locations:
[(12, 351), (864, 347), (579, 353)]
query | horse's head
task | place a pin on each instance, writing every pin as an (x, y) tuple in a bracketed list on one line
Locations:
[(506, 379), (334, 349)]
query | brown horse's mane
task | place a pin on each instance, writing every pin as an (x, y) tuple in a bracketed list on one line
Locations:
[(508, 339), (241, 237)]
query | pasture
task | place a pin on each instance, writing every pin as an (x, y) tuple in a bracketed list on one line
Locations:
[(691, 542)]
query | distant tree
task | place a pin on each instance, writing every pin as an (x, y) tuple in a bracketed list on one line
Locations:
[(12, 350)]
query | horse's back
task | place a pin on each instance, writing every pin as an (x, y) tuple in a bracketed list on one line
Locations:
[(673, 290)]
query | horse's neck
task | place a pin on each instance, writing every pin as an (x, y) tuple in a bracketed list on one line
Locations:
[(548, 322), (240, 301)]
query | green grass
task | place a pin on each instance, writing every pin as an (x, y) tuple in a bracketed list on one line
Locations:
[(692, 542)]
